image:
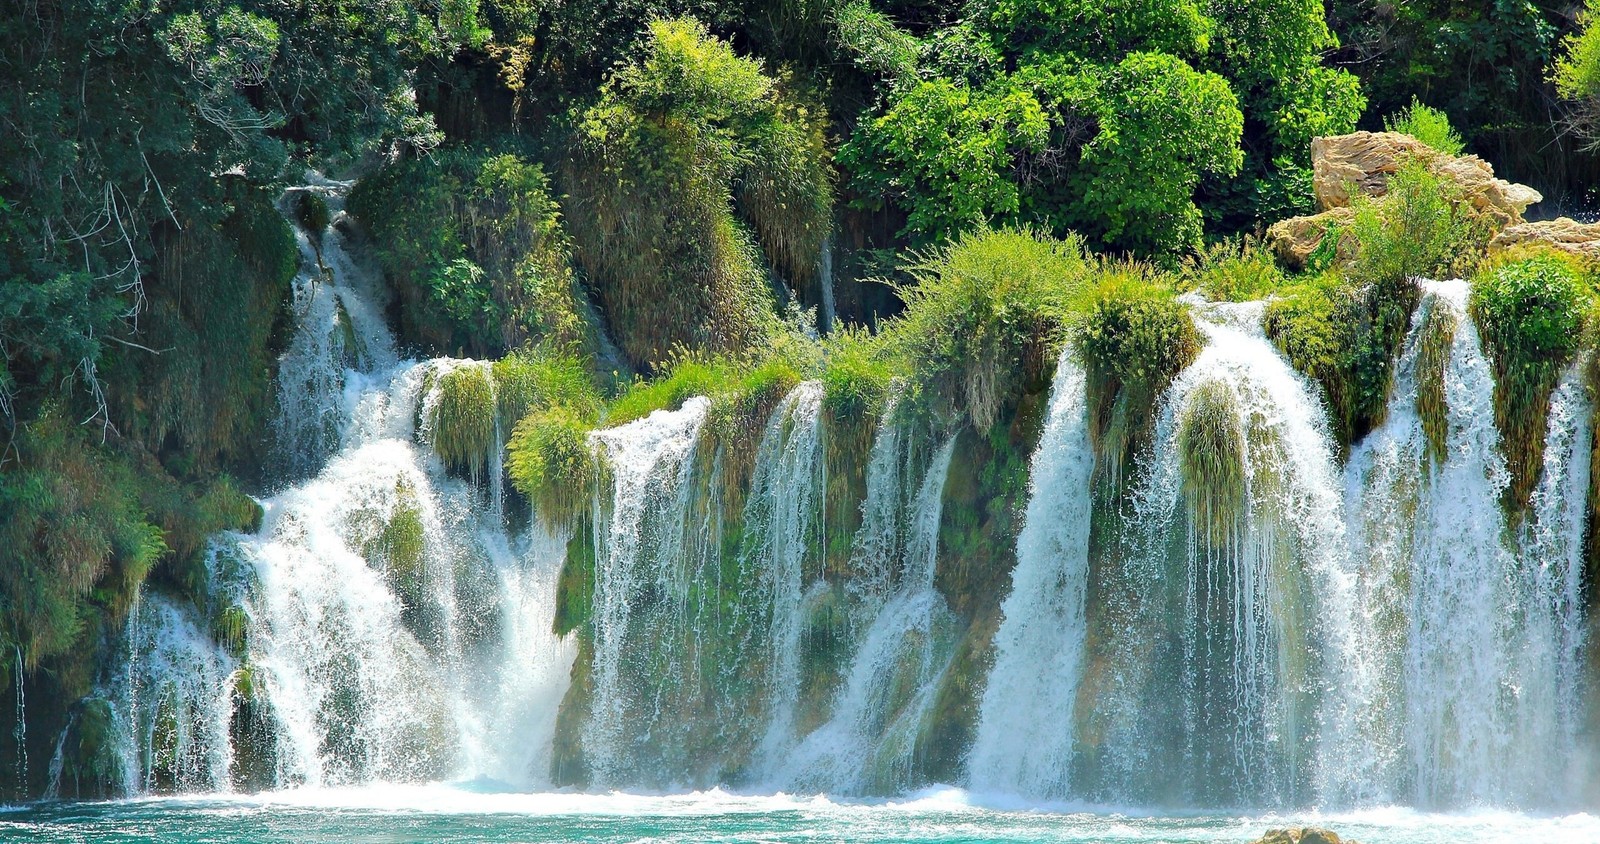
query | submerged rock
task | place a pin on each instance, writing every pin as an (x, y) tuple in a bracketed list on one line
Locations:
[(1362, 162), (1563, 233), (1302, 835)]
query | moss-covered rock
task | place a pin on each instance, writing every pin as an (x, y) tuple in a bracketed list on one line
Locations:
[(1211, 460), (552, 464), (461, 421), (1530, 308)]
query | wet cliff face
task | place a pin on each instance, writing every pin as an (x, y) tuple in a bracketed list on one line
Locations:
[(1148, 578)]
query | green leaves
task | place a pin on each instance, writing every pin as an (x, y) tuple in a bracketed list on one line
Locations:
[(947, 152)]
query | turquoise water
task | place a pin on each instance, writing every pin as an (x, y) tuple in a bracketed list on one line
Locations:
[(452, 815)]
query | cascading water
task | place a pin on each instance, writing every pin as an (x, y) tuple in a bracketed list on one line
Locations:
[(383, 623), (868, 742), (1240, 626), (1470, 636), (1204, 666), (1025, 735)]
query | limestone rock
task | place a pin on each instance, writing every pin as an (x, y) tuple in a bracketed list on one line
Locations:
[(1363, 161), (1293, 240), (1302, 835), (1563, 233)]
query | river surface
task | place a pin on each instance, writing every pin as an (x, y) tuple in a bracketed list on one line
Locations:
[(445, 814)]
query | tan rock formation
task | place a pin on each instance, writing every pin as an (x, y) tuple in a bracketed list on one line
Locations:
[(1302, 835), (1293, 240), (1563, 233), (1362, 162)]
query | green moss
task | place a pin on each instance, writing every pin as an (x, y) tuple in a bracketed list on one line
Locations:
[(575, 588), (1530, 309), (462, 423), (1211, 453), (229, 628), (551, 463), (400, 548), (1433, 359), (91, 764), (1135, 339)]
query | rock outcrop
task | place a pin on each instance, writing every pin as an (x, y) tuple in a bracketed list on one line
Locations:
[(1302, 835), (1361, 162), (1346, 166), (1293, 240), (1563, 233)]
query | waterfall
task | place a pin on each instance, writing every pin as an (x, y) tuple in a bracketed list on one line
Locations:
[(641, 589), (825, 282), (1470, 637), (382, 624), (783, 513), (1208, 662), (1024, 739), (19, 732), (868, 741), (172, 703)]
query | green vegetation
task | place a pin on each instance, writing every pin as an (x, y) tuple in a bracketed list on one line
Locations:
[(1211, 453), (1576, 73), (1428, 125), (1433, 358), (1530, 310), (474, 244), (461, 421), (693, 162), (1238, 270), (1135, 340), (986, 316), (551, 463), (1345, 328)]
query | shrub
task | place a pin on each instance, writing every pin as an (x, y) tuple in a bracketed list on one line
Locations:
[(856, 376), (537, 379), (1135, 339), (1096, 29), (1422, 227), (1530, 309), (1238, 270), (551, 463), (1576, 73), (311, 210), (986, 315), (473, 242), (461, 417), (945, 153), (1428, 125), (653, 195)]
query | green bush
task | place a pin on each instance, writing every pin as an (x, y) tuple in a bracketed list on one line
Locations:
[(1346, 329), (537, 379), (1134, 340), (550, 462), (1240, 270), (1576, 72), (1428, 125), (986, 315), (1103, 30), (945, 153), (1529, 308), (671, 247), (75, 544), (461, 423), (474, 243)]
